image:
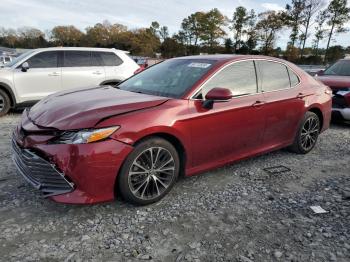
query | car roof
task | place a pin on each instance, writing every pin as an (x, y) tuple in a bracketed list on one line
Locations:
[(80, 49), (230, 57)]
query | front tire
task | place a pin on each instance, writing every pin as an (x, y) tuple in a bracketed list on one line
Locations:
[(307, 134), (149, 172), (5, 103)]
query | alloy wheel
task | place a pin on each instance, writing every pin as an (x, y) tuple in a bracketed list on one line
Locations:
[(2, 102), (151, 173), (309, 133)]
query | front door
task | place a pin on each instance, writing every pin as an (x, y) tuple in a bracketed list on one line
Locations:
[(41, 79), (231, 129)]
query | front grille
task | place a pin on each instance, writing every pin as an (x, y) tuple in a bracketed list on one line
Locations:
[(40, 173)]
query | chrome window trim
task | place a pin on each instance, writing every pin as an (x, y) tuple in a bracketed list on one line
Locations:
[(196, 92)]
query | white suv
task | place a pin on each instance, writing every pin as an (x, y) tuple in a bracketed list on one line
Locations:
[(41, 72)]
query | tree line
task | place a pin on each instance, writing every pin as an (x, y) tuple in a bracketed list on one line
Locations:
[(208, 32)]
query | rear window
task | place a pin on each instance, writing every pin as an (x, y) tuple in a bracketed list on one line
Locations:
[(274, 76), (76, 59), (294, 79), (109, 59)]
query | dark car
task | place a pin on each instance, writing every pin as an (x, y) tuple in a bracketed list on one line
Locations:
[(337, 77), (180, 117)]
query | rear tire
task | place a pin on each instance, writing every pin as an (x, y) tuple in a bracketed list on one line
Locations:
[(5, 103), (307, 134), (149, 172)]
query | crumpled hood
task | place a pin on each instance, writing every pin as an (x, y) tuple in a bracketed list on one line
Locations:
[(84, 108), (335, 82)]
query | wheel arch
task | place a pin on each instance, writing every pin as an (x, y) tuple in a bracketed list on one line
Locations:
[(175, 141), (10, 93), (319, 114)]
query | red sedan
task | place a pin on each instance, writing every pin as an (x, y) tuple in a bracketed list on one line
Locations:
[(180, 117)]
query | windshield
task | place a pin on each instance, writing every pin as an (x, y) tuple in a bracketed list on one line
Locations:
[(19, 58), (171, 78), (340, 68)]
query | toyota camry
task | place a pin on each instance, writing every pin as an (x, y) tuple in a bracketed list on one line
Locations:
[(178, 118)]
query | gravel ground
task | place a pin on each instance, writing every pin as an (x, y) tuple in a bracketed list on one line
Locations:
[(235, 213)]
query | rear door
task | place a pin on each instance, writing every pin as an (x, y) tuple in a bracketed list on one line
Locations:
[(113, 66), (41, 79), (283, 105), (231, 129), (80, 70)]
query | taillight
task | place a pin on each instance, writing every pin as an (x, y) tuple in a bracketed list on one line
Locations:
[(140, 69)]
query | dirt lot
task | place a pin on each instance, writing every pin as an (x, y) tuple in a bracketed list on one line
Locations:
[(235, 213)]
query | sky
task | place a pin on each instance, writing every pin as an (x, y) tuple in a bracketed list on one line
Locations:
[(45, 14)]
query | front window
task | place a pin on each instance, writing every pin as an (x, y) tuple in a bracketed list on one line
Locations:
[(46, 59), (340, 68), (171, 78), (239, 77)]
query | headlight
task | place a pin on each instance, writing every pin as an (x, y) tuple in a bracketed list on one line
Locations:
[(85, 136)]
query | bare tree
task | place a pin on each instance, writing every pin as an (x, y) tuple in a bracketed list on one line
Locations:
[(310, 10), (338, 14), (269, 24), (320, 30)]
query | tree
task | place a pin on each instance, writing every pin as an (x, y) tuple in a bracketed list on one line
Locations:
[(144, 42), (252, 40), (311, 8), (239, 21), (29, 37), (338, 14), (172, 48), (294, 18), (292, 53), (319, 30), (212, 25), (192, 27), (154, 27), (98, 35), (164, 33), (66, 35), (335, 53), (269, 24), (228, 46)]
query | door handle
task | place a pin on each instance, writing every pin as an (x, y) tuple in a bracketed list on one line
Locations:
[(302, 95), (258, 103), (54, 74), (97, 73)]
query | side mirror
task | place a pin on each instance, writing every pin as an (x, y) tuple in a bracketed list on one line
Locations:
[(217, 94), (319, 73), (25, 67)]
